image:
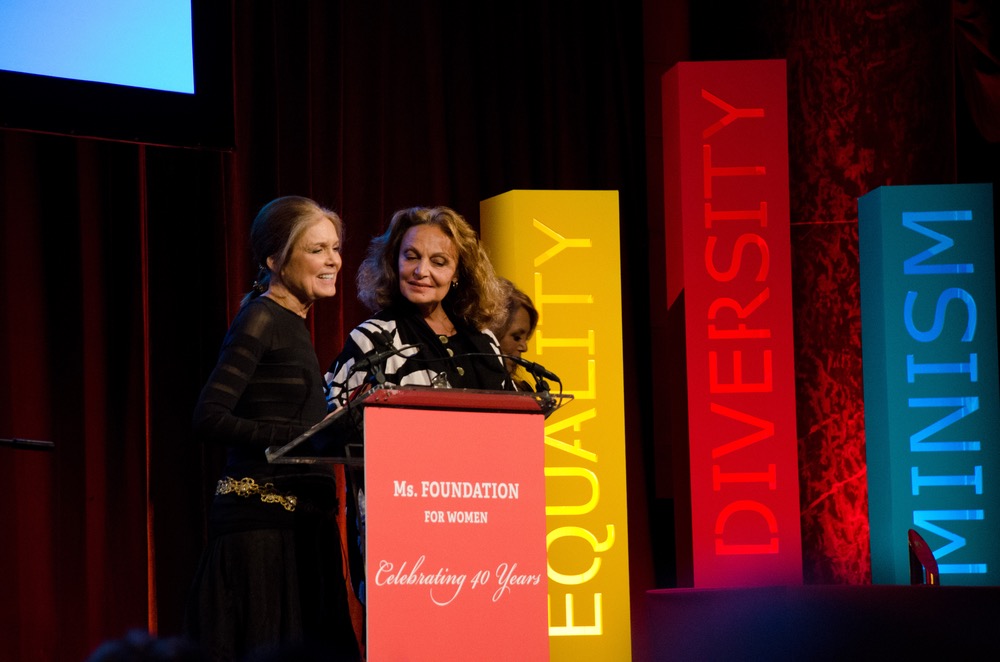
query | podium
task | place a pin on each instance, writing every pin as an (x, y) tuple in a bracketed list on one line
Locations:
[(454, 499)]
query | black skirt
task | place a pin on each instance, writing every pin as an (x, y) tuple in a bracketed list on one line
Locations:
[(270, 580)]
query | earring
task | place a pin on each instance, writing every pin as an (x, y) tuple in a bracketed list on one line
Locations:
[(454, 283), (260, 283)]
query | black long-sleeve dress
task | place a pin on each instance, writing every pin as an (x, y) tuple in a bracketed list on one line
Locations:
[(272, 573)]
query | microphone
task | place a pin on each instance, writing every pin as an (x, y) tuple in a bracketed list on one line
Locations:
[(534, 368), (546, 401), (385, 338), (376, 359), (374, 363), (537, 370)]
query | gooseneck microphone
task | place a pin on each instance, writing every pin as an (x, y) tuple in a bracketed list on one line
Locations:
[(383, 342), (374, 364), (534, 368), (376, 359), (538, 371)]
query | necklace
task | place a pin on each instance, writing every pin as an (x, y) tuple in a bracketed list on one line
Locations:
[(443, 328), (281, 299)]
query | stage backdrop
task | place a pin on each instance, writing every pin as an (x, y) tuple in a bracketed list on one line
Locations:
[(108, 333)]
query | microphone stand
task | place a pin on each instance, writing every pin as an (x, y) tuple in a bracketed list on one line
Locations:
[(29, 444), (376, 375), (374, 364), (544, 392)]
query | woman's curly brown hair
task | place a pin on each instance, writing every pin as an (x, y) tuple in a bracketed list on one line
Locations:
[(476, 299)]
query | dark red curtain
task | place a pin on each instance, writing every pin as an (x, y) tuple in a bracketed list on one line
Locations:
[(122, 264)]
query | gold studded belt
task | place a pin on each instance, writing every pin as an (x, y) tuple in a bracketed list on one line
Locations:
[(246, 487)]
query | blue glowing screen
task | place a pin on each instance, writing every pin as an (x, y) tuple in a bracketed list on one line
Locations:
[(137, 43)]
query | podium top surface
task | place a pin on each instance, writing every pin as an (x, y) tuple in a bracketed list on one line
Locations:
[(339, 438), (454, 398)]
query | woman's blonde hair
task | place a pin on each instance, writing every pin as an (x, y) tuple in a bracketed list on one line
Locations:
[(277, 227)]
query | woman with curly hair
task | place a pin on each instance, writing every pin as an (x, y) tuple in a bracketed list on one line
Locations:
[(433, 293)]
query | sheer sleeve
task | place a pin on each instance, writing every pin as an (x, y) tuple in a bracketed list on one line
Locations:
[(266, 388)]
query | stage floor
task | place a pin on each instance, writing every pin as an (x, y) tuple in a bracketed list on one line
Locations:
[(852, 623)]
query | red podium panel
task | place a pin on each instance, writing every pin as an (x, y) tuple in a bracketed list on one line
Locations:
[(455, 503)]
